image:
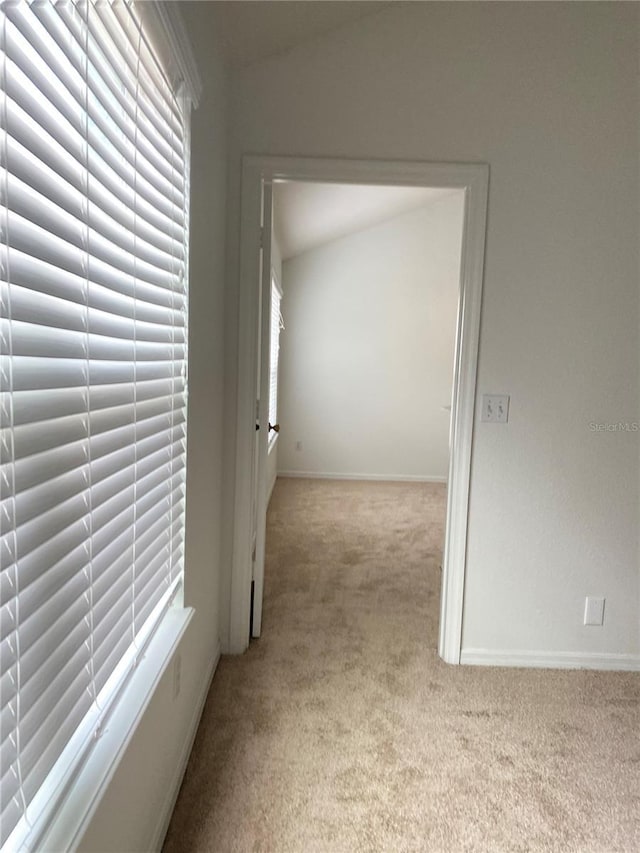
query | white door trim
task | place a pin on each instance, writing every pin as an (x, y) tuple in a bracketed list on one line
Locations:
[(263, 409), (473, 178)]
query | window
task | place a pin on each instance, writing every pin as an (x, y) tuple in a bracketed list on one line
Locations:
[(276, 326), (93, 335)]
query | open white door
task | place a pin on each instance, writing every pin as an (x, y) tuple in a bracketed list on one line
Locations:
[(262, 411)]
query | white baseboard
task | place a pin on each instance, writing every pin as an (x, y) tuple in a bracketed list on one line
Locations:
[(174, 788), (551, 660), (393, 478)]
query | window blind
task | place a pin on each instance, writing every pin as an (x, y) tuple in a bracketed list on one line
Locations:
[(276, 324), (93, 337)]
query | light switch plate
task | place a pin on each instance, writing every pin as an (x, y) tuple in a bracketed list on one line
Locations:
[(495, 408)]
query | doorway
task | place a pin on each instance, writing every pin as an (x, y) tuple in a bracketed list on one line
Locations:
[(259, 174)]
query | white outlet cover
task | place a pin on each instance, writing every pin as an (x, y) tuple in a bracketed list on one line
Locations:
[(594, 610)]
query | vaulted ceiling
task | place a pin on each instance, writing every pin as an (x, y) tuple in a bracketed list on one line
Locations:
[(252, 30), (308, 215)]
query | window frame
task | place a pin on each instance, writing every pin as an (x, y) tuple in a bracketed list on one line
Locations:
[(70, 807)]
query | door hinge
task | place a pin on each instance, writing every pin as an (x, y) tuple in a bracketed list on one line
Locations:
[(262, 236)]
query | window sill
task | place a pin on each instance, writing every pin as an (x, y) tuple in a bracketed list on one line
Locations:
[(70, 820)]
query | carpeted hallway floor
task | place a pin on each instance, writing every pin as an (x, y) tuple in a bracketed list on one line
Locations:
[(341, 730)]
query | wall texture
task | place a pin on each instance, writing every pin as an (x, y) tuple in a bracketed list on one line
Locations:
[(547, 95), (141, 793), (367, 352)]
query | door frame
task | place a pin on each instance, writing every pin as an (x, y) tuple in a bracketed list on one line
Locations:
[(473, 178)]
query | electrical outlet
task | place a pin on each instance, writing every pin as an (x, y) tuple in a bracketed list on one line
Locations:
[(495, 408), (177, 676), (594, 610), (298, 445)]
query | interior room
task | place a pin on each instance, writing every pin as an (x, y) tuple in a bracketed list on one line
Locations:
[(367, 350), (365, 716)]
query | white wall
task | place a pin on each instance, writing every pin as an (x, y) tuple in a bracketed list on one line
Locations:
[(274, 449), (367, 352), (142, 790), (547, 95)]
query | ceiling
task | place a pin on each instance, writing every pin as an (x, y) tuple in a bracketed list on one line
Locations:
[(307, 215), (252, 30)]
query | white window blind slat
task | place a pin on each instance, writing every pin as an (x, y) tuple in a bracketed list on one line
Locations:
[(130, 63), (113, 598), (43, 278), (61, 718), (35, 647), (8, 749), (32, 406), (113, 495), (93, 256), (109, 652), (73, 231), (113, 136), (42, 528), (70, 255), (40, 468), (51, 596), (33, 373), (105, 396), (154, 95), (101, 184), (9, 616), (30, 340), (112, 540), (12, 811), (155, 562), (115, 558), (112, 528), (27, 170), (53, 41), (51, 553), (8, 686), (109, 440), (154, 451), (155, 595), (118, 87), (120, 164), (44, 497), (136, 337), (177, 554), (56, 433), (55, 147), (27, 70), (106, 420), (71, 651), (52, 618), (8, 657), (68, 694)]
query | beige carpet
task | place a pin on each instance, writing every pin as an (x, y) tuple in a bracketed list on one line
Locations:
[(341, 730)]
